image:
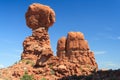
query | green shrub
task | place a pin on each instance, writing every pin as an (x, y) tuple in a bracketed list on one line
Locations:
[(27, 77), (50, 66), (43, 79), (28, 62), (52, 72)]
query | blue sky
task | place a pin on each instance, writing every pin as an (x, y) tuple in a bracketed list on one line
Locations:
[(99, 20)]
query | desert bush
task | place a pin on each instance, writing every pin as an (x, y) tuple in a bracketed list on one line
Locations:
[(43, 79), (50, 66), (27, 77), (29, 62), (52, 72)]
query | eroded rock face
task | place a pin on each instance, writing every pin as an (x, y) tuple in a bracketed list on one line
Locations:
[(75, 52), (75, 41), (61, 48), (76, 46), (37, 47)]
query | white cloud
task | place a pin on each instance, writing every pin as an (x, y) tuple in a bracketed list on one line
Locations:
[(1, 66), (100, 52), (109, 65), (113, 65), (106, 35)]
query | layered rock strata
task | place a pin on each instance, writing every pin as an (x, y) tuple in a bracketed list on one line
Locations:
[(75, 48), (74, 54)]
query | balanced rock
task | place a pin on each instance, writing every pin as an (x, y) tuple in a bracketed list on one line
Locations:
[(39, 15), (37, 47)]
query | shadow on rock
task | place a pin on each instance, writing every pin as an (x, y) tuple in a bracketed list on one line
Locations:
[(99, 75)]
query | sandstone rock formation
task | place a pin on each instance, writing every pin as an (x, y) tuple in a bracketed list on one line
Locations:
[(61, 48), (76, 49), (73, 53), (39, 15), (37, 47)]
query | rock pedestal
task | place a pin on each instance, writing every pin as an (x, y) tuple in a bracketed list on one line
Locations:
[(37, 47)]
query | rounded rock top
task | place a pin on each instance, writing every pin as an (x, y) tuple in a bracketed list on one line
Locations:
[(39, 15), (75, 35)]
